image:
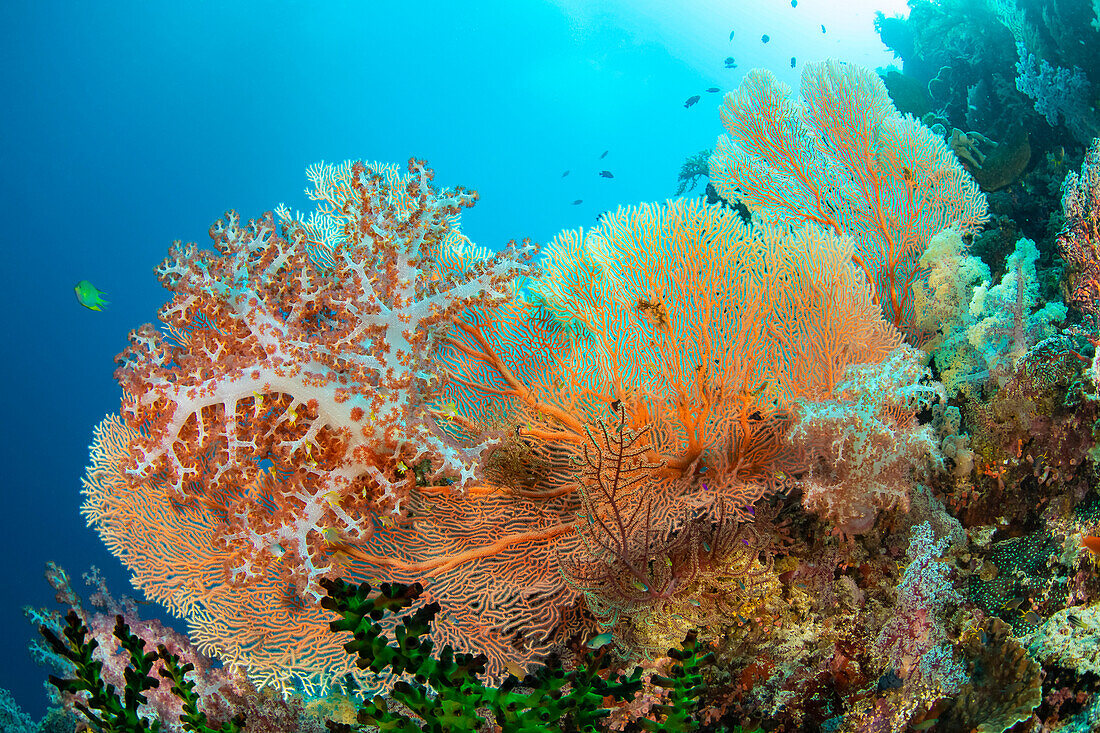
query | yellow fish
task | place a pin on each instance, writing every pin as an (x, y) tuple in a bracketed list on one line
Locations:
[(89, 296)]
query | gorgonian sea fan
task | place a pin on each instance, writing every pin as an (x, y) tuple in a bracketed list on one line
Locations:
[(647, 386), (842, 157)]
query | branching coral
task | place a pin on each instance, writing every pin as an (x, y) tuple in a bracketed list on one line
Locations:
[(1060, 94), (365, 395), (913, 643)]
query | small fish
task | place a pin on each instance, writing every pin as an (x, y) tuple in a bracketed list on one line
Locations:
[(607, 174), (600, 640), (730, 63), (563, 175), (578, 202), (793, 62), (1075, 620), (691, 100), (1092, 544), (822, 27), (765, 38), (1032, 618), (89, 296), (731, 35), (924, 724), (713, 89), (794, 3), (515, 670), (604, 154)]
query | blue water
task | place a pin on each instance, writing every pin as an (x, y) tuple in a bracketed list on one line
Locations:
[(127, 125)]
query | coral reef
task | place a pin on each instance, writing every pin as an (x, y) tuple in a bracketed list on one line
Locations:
[(813, 454)]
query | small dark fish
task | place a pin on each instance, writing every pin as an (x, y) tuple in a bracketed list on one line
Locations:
[(765, 38), (822, 27), (713, 89), (604, 154), (563, 175), (731, 35), (691, 100), (793, 62), (607, 174), (730, 63), (578, 201), (1032, 618)]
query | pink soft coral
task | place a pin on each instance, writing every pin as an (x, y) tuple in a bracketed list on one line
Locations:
[(866, 443)]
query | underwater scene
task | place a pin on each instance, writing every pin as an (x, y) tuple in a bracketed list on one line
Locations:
[(552, 365)]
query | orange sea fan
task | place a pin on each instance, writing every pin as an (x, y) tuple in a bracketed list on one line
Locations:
[(703, 327), (657, 363), (845, 159), (511, 608)]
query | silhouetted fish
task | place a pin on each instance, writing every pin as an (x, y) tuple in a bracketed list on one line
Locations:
[(794, 3), (607, 174), (563, 175), (578, 201), (604, 154), (793, 62), (730, 63), (822, 27), (731, 35), (765, 38), (713, 89), (691, 100)]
